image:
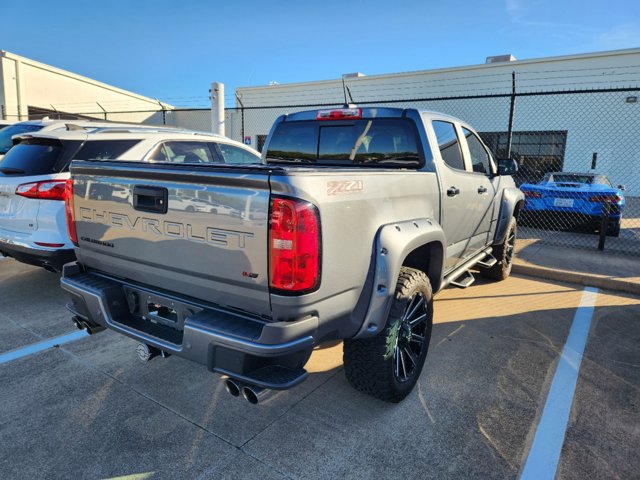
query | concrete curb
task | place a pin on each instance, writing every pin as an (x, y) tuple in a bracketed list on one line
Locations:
[(588, 280)]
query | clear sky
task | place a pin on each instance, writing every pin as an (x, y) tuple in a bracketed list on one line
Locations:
[(174, 49)]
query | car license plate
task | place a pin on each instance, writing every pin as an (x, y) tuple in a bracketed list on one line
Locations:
[(563, 202)]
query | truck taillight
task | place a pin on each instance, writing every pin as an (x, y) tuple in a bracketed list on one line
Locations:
[(68, 208), (294, 246), (47, 190)]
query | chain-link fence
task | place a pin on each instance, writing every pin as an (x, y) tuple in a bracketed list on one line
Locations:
[(578, 152)]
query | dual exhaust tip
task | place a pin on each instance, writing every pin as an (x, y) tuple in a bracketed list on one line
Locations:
[(88, 327), (251, 393)]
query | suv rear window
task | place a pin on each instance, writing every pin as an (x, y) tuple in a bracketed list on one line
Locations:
[(378, 141), (7, 132), (104, 149), (32, 157)]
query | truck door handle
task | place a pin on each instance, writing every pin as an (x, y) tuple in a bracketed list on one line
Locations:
[(482, 189), (150, 199), (453, 191)]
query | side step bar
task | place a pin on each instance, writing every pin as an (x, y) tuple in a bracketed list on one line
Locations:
[(451, 278), (488, 261), (463, 281)]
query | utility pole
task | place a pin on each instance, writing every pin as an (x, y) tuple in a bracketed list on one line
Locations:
[(217, 108)]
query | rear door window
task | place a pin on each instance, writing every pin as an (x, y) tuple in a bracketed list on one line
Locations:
[(32, 157), (105, 149), (448, 144), (235, 155), (182, 152)]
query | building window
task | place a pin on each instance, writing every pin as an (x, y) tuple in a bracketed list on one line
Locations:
[(536, 152)]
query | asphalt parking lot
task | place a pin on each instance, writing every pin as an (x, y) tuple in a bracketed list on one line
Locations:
[(90, 409)]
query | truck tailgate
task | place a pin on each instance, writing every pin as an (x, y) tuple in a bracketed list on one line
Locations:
[(200, 232)]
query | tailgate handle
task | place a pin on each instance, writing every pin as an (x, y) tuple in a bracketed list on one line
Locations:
[(150, 199)]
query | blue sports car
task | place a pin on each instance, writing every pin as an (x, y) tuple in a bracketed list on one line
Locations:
[(564, 198)]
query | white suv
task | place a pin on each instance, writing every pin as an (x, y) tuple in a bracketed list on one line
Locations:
[(44, 125), (35, 172)]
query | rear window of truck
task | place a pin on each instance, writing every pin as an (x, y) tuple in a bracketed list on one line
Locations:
[(388, 142)]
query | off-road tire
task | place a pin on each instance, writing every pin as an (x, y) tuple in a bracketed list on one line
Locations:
[(370, 363), (504, 253)]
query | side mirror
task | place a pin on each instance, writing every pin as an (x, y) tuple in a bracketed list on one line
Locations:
[(621, 187), (507, 166)]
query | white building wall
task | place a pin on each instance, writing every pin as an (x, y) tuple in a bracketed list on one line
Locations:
[(602, 123), (27, 83), (201, 120), (597, 70)]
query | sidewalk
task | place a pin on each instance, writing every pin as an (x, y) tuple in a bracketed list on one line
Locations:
[(575, 265)]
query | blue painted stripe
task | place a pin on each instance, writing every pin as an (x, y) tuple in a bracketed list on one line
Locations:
[(543, 458), (44, 345)]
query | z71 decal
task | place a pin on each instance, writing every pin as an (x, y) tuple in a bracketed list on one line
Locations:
[(344, 187)]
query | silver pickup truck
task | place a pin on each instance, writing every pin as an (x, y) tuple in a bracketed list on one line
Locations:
[(353, 220)]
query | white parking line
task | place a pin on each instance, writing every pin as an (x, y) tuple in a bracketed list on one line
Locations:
[(44, 345), (544, 455)]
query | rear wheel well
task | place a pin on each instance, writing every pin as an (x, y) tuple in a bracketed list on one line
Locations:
[(517, 208), (427, 258)]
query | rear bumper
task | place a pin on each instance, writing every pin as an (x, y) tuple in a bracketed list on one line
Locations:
[(593, 210), (270, 355), (54, 259), (555, 219)]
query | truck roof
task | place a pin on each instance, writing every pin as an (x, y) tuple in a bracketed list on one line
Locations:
[(375, 112)]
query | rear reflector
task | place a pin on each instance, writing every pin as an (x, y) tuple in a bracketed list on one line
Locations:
[(68, 208), (340, 114), (294, 246), (48, 190), (49, 245)]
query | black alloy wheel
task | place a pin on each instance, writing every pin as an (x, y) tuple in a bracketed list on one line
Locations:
[(411, 338)]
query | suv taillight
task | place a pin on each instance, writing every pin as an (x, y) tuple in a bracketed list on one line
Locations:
[(294, 246), (47, 190), (68, 208)]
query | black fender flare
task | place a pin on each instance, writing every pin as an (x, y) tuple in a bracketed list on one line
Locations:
[(511, 203), (393, 243)]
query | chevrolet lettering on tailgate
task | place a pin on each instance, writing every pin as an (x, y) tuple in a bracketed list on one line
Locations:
[(213, 236)]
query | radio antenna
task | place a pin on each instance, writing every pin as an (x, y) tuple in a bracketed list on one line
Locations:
[(349, 92), (344, 92)]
